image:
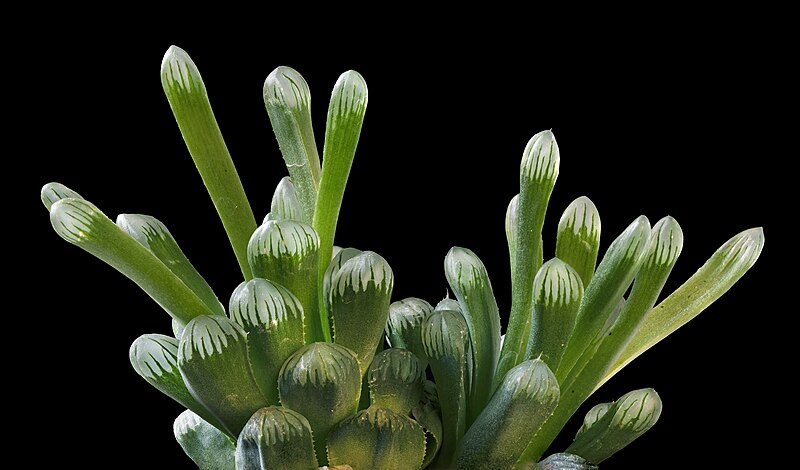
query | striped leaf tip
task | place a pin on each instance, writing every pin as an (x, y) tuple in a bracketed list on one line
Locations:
[(179, 74), (511, 217), (464, 269), (743, 250), (532, 380), (445, 334), (557, 284), (54, 192), (564, 461), (77, 220), (405, 320), (395, 380), (449, 304), (285, 86), (319, 364), (633, 240), (208, 335), (594, 415), (284, 203), (349, 95), (541, 159), (365, 271), (143, 228), (262, 302), (206, 445), (276, 438), (581, 217), (637, 411), (666, 242), (282, 237), (152, 356)]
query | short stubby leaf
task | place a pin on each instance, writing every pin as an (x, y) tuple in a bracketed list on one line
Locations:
[(273, 319), (578, 240), (377, 438), (321, 381), (207, 446), (284, 203), (404, 328), (276, 438), (215, 366), (340, 256), (395, 380), (54, 192), (359, 304), (564, 461)]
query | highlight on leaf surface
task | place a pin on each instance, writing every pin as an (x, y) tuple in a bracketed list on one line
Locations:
[(341, 256), (578, 240), (284, 203), (214, 363), (377, 438), (395, 380), (276, 438), (54, 192), (564, 461), (404, 327), (207, 446)]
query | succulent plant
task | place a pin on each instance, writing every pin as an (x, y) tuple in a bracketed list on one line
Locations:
[(313, 364)]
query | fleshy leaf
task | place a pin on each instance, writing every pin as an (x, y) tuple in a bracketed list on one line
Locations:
[(155, 236), (428, 414), (512, 225), (213, 361), (287, 252), (469, 280), (207, 446), (538, 174), (578, 240), (54, 192), (359, 304), (525, 399), (81, 223), (377, 438), (276, 438), (404, 328), (284, 203), (188, 99), (339, 258), (288, 102), (395, 380), (564, 461), (322, 382), (273, 319)]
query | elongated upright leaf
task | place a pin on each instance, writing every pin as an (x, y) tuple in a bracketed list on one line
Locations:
[(512, 225), (276, 438), (155, 236), (288, 102), (726, 266), (395, 380), (359, 301), (404, 328), (538, 174), (525, 399), (339, 258), (623, 422), (188, 99), (155, 358), (557, 295), (272, 317), (81, 223), (207, 446), (322, 382), (613, 277), (445, 336), (469, 280), (578, 240), (345, 117), (287, 252), (54, 192), (284, 203), (213, 361)]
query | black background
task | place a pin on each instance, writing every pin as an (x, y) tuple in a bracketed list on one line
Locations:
[(680, 122)]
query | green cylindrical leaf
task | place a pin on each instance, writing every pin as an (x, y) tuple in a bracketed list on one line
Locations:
[(564, 461), (538, 174), (594, 415), (512, 225), (214, 363), (287, 252), (445, 336), (404, 328), (359, 303), (288, 102), (322, 382), (155, 236), (284, 203), (345, 117), (273, 319), (54, 192), (188, 99), (523, 402), (155, 358), (449, 304), (613, 277), (578, 240), (339, 258), (557, 295), (81, 223), (276, 438), (207, 446), (726, 266), (377, 438), (395, 380), (469, 280), (626, 420)]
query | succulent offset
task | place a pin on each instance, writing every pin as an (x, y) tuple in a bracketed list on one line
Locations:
[(312, 364)]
